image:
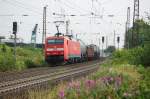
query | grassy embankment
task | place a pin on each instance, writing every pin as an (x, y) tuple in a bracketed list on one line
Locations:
[(120, 77), (27, 57)]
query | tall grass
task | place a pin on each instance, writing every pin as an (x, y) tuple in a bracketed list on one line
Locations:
[(26, 57), (109, 82), (135, 56), (121, 77)]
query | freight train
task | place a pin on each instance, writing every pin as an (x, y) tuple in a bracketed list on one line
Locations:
[(65, 49)]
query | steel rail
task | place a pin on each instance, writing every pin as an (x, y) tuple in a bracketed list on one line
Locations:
[(6, 76), (25, 82)]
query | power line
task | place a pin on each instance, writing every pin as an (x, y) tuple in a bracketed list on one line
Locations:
[(16, 4), (95, 9), (76, 6), (105, 2), (68, 5), (31, 6)]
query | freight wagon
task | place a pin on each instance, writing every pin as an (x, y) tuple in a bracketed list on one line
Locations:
[(93, 52)]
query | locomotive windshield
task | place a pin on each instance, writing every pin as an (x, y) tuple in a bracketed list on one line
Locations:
[(55, 41)]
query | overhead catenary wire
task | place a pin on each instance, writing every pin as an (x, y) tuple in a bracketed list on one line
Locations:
[(26, 4), (16, 4), (70, 7), (105, 2), (31, 6), (77, 6)]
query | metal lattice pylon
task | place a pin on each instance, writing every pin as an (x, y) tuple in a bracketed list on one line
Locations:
[(136, 10), (135, 27), (127, 28)]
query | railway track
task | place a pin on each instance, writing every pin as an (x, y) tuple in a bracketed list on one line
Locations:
[(10, 76), (50, 75)]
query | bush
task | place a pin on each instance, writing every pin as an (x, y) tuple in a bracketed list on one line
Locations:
[(136, 56), (145, 58), (29, 63), (121, 57), (25, 58), (144, 85), (6, 59)]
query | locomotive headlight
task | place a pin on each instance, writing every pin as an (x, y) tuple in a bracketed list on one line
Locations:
[(50, 49), (55, 49), (60, 49)]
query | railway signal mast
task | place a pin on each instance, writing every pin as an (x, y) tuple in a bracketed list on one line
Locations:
[(15, 36), (135, 27), (103, 40), (118, 41)]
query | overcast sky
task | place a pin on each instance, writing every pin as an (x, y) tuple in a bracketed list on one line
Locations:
[(83, 24)]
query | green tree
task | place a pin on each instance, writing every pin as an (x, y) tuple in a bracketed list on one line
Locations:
[(141, 34), (110, 49)]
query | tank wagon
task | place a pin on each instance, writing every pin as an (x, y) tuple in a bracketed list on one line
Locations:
[(83, 49)]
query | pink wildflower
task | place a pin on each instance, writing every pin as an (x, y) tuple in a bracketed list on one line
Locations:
[(61, 94), (107, 80), (75, 85), (90, 83), (118, 81)]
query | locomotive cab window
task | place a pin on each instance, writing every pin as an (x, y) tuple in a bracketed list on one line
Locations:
[(55, 41)]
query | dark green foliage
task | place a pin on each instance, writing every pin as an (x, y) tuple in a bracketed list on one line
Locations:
[(141, 34), (27, 57), (136, 56), (4, 48), (110, 49), (145, 58), (29, 63), (6, 58), (144, 32), (144, 86)]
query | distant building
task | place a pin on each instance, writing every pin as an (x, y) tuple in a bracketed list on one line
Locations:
[(10, 40), (1, 38), (18, 40)]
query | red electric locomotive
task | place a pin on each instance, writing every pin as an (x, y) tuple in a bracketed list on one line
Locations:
[(62, 49)]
